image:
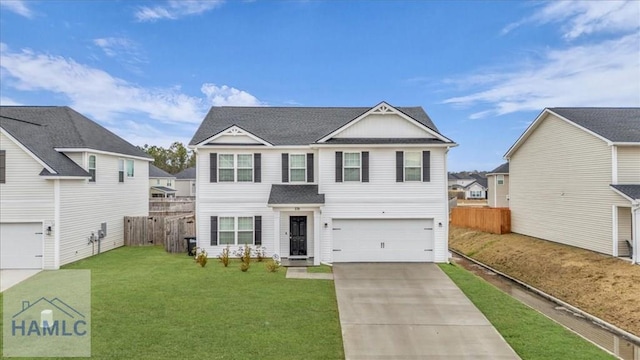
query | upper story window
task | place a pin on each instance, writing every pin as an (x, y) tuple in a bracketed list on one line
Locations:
[(169, 182), (157, 181), (412, 166), (130, 166), (232, 167), (92, 168), (3, 166), (352, 166), (500, 179), (120, 170), (297, 167)]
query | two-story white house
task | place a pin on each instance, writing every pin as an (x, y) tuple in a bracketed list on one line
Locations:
[(66, 184), (335, 184), (161, 183), (574, 178)]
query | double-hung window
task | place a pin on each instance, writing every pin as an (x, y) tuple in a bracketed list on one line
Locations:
[(232, 232), (412, 166), (226, 168), (245, 167), (352, 166), (232, 167), (297, 167), (92, 168), (130, 165), (500, 179), (120, 170)]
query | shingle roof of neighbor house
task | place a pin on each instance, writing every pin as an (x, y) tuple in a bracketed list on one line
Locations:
[(156, 172), (502, 169), (295, 194), (632, 191), (187, 174), (42, 129), (614, 124), (164, 189), (290, 125), (480, 180)]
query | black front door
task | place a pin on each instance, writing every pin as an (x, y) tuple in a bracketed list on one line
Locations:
[(298, 236)]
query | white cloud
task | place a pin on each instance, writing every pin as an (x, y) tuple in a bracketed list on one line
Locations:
[(600, 74), (97, 93), (581, 18), (175, 9), (125, 51), (17, 6), (5, 101), (228, 96)]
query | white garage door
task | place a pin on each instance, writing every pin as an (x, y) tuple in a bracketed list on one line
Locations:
[(383, 240), (21, 246)]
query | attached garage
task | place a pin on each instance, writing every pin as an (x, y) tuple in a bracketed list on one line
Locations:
[(383, 240), (21, 245)]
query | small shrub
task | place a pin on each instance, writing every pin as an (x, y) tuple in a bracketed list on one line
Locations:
[(272, 265), (224, 256), (261, 253), (244, 266), (244, 253), (201, 257)]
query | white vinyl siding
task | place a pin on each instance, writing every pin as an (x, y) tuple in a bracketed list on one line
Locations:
[(352, 166), (628, 164), (559, 187), (297, 168), (412, 166), (498, 194), (383, 126)]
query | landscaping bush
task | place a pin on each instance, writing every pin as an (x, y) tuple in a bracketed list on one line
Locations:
[(224, 256), (201, 257)]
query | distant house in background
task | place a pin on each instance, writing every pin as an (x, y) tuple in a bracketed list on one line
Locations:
[(477, 189), (575, 179), (66, 184), (186, 183), (468, 186), (498, 183), (161, 183), (459, 181)]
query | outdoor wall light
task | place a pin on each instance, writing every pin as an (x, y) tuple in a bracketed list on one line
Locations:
[(48, 230), (326, 225), (439, 224)]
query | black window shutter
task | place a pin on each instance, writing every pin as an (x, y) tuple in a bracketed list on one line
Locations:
[(213, 167), (338, 166), (310, 167), (257, 230), (214, 230), (285, 168), (257, 168), (3, 166), (426, 166), (365, 166), (399, 166)]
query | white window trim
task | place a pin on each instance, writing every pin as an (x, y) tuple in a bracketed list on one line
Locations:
[(304, 156), (95, 166), (344, 166), (404, 166), (236, 231), (235, 168)]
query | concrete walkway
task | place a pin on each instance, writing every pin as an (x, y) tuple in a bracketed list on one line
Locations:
[(9, 278), (411, 311), (301, 273)]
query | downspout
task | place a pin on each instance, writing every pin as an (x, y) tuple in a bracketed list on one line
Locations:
[(636, 233)]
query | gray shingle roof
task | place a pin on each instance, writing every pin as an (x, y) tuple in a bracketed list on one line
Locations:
[(614, 124), (632, 191), (164, 189), (502, 169), (384, 141), (187, 174), (480, 180), (289, 125), (156, 172), (295, 194), (41, 129)]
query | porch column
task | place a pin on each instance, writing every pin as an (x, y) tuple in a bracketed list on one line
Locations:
[(276, 232), (635, 237), (316, 237)]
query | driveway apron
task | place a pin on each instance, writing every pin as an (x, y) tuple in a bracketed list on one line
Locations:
[(411, 311)]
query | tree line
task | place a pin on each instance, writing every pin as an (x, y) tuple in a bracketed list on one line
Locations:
[(173, 159)]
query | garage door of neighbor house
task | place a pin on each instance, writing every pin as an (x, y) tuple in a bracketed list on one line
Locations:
[(21, 246), (383, 240)]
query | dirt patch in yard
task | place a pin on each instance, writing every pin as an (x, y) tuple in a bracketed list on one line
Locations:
[(601, 285)]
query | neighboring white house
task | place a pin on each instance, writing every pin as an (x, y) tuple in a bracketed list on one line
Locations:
[(186, 183), (161, 183), (575, 179), (336, 184), (498, 182), (65, 185), (475, 190), (469, 186)]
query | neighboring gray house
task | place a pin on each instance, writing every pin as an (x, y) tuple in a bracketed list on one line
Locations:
[(186, 183), (575, 179), (335, 184), (161, 183), (66, 183), (498, 184)]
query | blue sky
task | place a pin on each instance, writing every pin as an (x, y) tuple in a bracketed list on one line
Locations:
[(149, 71)]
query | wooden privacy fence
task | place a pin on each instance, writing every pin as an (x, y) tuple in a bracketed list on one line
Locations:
[(168, 231), (492, 220), (171, 206)]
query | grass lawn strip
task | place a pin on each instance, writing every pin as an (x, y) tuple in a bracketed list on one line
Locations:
[(532, 335)]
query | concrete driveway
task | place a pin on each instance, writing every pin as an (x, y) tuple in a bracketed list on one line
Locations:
[(411, 311), (9, 278)]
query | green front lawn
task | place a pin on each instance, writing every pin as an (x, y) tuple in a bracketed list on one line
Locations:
[(148, 304), (530, 334)]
